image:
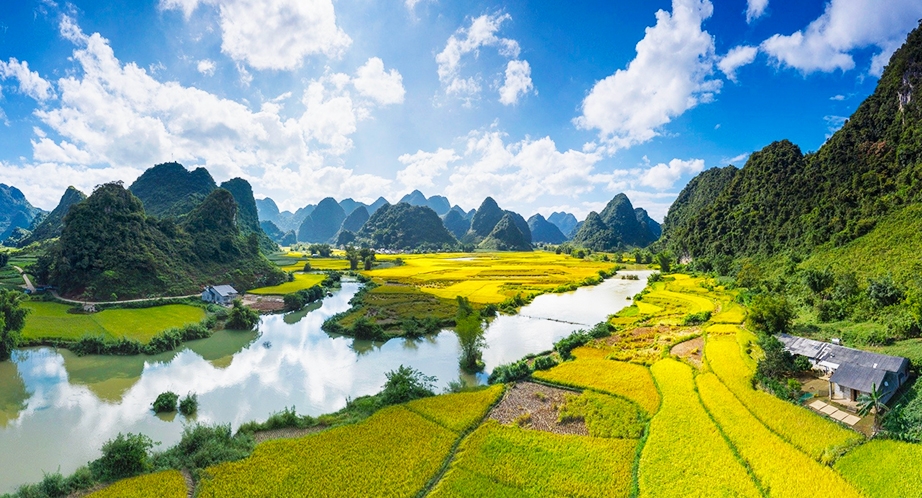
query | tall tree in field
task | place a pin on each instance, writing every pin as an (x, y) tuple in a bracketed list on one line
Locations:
[(12, 320)]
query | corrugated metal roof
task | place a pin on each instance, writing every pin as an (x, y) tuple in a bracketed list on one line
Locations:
[(841, 355), (862, 378), (224, 290)]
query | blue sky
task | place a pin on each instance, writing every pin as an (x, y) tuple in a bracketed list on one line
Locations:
[(543, 105)]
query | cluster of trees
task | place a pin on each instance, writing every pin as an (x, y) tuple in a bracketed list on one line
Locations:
[(12, 321), (469, 329), (365, 256), (303, 297)]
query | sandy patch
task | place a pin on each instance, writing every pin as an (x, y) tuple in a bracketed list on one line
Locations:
[(690, 350), (264, 304)]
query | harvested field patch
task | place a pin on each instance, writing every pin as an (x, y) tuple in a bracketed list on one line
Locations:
[(541, 404), (691, 350)]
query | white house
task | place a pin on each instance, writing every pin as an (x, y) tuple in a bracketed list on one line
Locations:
[(851, 372), (219, 294)]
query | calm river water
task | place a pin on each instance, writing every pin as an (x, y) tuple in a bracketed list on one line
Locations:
[(56, 409)]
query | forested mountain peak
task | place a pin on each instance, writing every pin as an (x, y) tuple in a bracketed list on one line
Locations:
[(52, 225), (169, 189), (545, 231)]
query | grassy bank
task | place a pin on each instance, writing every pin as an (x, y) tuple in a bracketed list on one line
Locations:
[(48, 321)]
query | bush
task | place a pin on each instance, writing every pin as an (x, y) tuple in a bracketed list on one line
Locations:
[(202, 446), (406, 384), (696, 318), (241, 317), (189, 404), (544, 363), (124, 456), (884, 292), (770, 314), (510, 372), (166, 402), (365, 329)]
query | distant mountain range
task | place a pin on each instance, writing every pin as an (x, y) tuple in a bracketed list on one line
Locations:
[(15, 211)]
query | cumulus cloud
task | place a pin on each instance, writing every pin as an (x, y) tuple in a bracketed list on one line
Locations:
[(386, 87), (273, 34), (670, 75), (482, 33), (755, 9), (517, 83), (845, 26), (206, 67), (30, 83), (663, 176), (423, 167), (117, 118), (520, 172), (736, 58)]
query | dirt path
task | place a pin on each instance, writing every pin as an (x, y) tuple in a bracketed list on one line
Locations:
[(73, 301), (26, 278)]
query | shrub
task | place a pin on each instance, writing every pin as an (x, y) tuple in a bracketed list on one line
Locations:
[(884, 292), (544, 362), (696, 318), (189, 404), (202, 446), (406, 384), (510, 372), (771, 314), (125, 456), (166, 402), (241, 317)]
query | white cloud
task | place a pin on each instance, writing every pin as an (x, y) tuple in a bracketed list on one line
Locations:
[(482, 33), (755, 9), (273, 34), (517, 82), (423, 167), (206, 67), (833, 123), (663, 176), (846, 25), (520, 172), (386, 87), (669, 76), (43, 183), (736, 58), (837, 97), (411, 4), (117, 118), (30, 83)]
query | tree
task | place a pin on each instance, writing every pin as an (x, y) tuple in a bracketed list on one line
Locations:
[(406, 384), (665, 261), (872, 401), (353, 256), (770, 314), (4, 259), (12, 321), (125, 456), (241, 317)]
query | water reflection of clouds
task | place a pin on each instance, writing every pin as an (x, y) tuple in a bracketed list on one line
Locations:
[(305, 368)]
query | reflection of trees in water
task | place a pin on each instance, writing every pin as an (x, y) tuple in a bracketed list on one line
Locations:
[(13, 394), (363, 347)]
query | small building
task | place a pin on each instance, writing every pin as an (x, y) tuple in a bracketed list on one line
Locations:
[(851, 372), (219, 294)]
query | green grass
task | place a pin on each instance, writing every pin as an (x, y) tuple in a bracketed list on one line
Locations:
[(301, 281), (48, 321), (391, 304), (910, 348)]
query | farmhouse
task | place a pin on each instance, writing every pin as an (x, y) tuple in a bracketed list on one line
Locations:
[(851, 372), (219, 294)]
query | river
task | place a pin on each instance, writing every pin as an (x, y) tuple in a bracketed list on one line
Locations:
[(56, 409)]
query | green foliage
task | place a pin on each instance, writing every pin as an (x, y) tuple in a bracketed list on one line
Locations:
[(109, 245), (469, 330), (406, 384), (605, 416), (284, 419), (12, 321), (696, 318), (664, 260), (405, 227), (884, 291), (297, 300), (165, 402), (125, 456), (507, 236), (510, 372), (580, 338), (770, 314), (544, 362), (202, 446), (615, 228), (189, 404), (242, 317)]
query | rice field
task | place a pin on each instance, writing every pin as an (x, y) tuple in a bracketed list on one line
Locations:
[(884, 468), (489, 277), (499, 460), (48, 320), (604, 415), (457, 412), (166, 484), (782, 470), (608, 376), (821, 439), (301, 281), (395, 452), (685, 454)]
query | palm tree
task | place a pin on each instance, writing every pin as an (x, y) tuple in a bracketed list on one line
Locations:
[(872, 401)]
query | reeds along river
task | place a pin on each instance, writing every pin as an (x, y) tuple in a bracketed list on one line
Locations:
[(57, 409)]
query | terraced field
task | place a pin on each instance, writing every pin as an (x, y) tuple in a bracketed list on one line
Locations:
[(690, 431)]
